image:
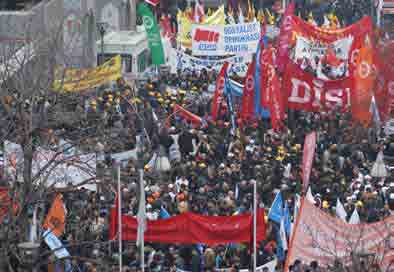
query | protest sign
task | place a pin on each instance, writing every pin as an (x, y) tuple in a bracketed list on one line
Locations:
[(181, 61), (235, 39)]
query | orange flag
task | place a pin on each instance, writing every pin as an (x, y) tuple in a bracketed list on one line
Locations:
[(56, 217), (364, 80)]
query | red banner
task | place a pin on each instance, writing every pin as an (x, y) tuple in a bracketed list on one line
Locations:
[(364, 81), (248, 95), (268, 69), (178, 110), (189, 228), (285, 36), (305, 92), (325, 239), (307, 159), (218, 96), (276, 102)]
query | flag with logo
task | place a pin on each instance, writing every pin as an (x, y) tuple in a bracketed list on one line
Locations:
[(153, 33), (218, 95), (56, 217), (364, 80), (247, 111), (307, 160)]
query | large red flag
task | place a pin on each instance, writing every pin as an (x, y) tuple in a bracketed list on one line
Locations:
[(248, 94), (307, 160), (364, 81), (276, 105), (268, 70), (285, 36), (190, 228), (218, 96)]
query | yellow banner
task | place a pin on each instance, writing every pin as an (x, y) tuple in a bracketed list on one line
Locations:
[(185, 23), (75, 80)]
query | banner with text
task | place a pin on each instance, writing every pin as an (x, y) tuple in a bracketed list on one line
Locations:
[(236, 39), (181, 61)]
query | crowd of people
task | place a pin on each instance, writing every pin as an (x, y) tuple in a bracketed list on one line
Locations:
[(209, 170)]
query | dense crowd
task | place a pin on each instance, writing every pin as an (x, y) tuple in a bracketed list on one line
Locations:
[(208, 170)]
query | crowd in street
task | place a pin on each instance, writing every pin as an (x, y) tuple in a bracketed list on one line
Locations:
[(207, 169)]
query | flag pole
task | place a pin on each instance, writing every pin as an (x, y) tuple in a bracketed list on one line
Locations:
[(142, 242), (254, 225), (120, 220)]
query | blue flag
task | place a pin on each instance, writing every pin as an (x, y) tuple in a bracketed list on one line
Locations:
[(275, 213), (287, 220), (280, 251), (235, 88), (163, 213)]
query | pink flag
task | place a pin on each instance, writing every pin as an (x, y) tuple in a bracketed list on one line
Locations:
[(320, 237), (285, 36), (153, 2), (307, 160)]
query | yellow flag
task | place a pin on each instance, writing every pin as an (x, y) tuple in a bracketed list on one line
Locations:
[(76, 80)]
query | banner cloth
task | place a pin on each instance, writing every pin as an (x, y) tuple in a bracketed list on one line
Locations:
[(190, 228), (76, 80), (179, 60), (321, 237), (219, 40)]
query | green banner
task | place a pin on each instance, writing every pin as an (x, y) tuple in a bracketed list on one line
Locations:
[(153, 33)]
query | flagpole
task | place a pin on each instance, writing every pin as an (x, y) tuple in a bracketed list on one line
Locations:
[(254, 225), (142, 242), (120, 220)]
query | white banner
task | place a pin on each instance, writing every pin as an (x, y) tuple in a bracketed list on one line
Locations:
[(64, 169), (308, 51), (182, 61), (235, 39)]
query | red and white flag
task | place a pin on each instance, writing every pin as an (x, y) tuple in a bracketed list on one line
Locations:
[(218, 95), (248, 94), (307, 160)]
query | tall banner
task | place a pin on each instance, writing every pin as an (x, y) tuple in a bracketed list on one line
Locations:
[(219, 40), (76, 80), (305, 92), (320, 237), (307, 159), (266, 75), (285, 36), (247, 111), (153, 33), (364, 81), (385, 98), (276, 106), (179, 60), (218, 95)]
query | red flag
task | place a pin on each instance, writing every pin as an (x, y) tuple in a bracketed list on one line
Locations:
[(285, 36), (190, 228), (248, 94), (307, 160), (268, 70), (187, 115), (153, 2), (364, 81), (276, 105), (218, 96), (113, 219), (6, 203)]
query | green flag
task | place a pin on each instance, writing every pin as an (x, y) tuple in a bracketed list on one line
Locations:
[(152, 30)]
